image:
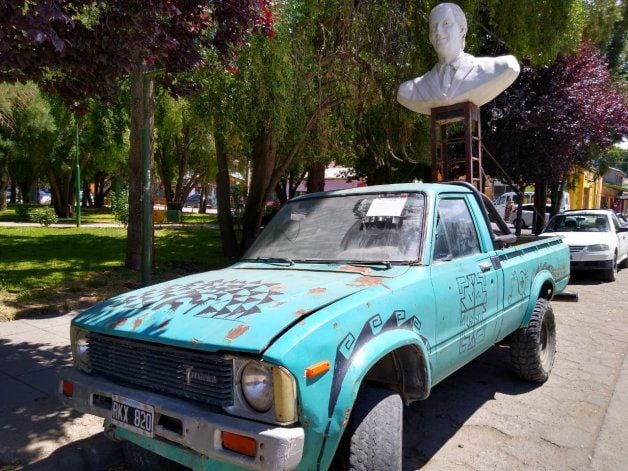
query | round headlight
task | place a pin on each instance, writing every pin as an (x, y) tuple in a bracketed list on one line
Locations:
[(257, 386)]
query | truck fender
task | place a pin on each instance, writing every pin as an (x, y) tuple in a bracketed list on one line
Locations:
[(542, 287), (362, 361)]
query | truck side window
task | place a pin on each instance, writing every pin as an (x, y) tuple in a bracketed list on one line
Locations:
[(455, 232)]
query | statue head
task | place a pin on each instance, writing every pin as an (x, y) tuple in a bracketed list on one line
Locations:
[(448, 28)]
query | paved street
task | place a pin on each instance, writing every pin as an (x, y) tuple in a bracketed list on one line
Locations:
[(480, 418), (484, 418)]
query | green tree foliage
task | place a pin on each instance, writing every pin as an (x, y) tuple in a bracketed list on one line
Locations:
[(184, 150), (104, 145), (25, 137), (537, 29)]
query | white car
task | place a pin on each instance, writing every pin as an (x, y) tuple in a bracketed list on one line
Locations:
[(596, 239), (527, 215)]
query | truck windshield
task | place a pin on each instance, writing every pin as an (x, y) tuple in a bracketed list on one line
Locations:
[(383, 227)]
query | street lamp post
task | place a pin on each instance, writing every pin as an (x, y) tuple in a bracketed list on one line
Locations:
[(78, 177)]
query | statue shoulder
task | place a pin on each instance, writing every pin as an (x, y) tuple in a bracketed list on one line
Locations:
[(499, 64)]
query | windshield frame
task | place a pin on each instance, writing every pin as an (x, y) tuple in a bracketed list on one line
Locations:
[(421, 234)]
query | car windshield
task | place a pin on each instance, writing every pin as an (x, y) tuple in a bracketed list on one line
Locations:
[(383, 227), (580, 222)]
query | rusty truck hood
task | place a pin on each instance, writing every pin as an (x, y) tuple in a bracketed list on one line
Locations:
[(243, 308)]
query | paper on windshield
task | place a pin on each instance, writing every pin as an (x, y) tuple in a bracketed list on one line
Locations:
[(387, 207)]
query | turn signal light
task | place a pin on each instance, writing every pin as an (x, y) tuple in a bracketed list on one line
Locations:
[(68, 388), (317, 369), (239, 443)]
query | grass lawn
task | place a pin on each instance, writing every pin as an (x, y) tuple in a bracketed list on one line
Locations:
[(57, 269)]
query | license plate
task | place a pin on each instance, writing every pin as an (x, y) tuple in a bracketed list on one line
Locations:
[(132, 415)]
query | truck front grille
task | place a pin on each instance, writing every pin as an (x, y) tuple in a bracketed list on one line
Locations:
[(179, 372)]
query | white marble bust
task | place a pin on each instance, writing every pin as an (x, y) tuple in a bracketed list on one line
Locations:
[(458, 76)]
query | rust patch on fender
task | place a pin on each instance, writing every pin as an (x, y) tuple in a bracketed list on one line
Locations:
[(136, 323), (275, 288), (317, 290), (345, 420), (368, 281), (236, 332), (300, 312), (350, 269), (277, 304), (118, 323)]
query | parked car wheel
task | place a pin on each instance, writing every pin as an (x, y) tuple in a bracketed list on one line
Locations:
[(141, 459), (611, 273), (375, 432), (533, 348)]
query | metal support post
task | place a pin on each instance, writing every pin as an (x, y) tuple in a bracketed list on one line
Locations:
[(78, 177), (147, 206)]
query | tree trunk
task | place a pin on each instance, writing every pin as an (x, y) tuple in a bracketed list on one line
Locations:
[(86, 200), (223, 196), (4, 184), (102, 186), (540, 196), (264, 159), (134, 229), (316, 177), (62, 195)]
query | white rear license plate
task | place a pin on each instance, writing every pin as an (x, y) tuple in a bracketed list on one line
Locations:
[(132, 415)]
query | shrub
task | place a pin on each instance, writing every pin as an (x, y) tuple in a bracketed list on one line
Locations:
[(22, 212), (120, 206), (44, 216)]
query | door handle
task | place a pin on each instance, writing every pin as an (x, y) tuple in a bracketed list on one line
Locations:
[(486, 266)]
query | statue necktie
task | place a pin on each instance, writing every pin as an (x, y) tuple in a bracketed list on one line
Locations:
[(448, 74)]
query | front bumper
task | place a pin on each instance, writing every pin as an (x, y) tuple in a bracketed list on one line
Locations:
[(585, 260), (196, 431)]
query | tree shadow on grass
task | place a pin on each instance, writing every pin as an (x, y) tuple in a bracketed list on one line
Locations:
[(429, 424), (57, 270)]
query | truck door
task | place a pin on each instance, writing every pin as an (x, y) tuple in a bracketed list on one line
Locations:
[(465, 280)]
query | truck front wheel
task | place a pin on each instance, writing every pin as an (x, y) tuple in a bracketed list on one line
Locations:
[(532, 348), (375, 432)]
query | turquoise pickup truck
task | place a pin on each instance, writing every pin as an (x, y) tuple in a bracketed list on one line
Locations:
[(301, 355)]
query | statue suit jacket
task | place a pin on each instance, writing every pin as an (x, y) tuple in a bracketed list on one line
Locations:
[(476, 79)]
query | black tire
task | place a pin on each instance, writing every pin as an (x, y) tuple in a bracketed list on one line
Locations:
[(374, 437), (141, 459), (611, 273), (533, 348)]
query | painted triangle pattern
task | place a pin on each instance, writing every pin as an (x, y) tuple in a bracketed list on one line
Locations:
[(229, 299)]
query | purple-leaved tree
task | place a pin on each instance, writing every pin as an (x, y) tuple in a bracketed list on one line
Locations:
[(554, 118)]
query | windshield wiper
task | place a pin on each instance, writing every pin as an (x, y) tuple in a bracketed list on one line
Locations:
[(272, 260), (386, 264)]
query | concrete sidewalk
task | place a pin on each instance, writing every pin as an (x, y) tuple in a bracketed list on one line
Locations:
[(33, 424)]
